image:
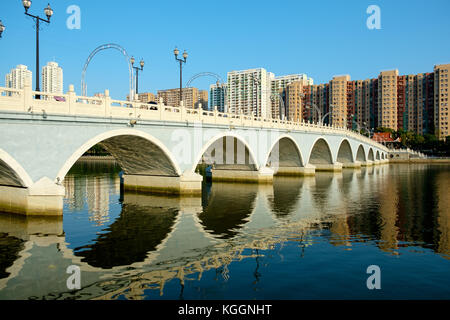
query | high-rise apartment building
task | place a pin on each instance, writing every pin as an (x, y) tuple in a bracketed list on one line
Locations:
[(202, 100), (249, 92), (294, 100), (402, 94), (258, 92), (218, 97), (278, 96), (338, 100), (171, 97), (315, 103), (441, 119), (356, 117), (17, 78), (408, 88), (387, 99), (146, 97), (52, 78), (417, 103)]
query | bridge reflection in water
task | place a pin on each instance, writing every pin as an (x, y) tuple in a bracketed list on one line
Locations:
[(129, 244)]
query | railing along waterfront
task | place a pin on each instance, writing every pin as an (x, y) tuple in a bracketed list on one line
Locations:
[(71, 104)]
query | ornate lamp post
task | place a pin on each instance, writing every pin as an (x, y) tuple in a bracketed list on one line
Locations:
[(316, 108), (358, 127), (185, 55), (326, 115), (48, 12), (2, 28), (137, 71)]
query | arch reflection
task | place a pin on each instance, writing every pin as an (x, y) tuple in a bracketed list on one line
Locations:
[(286, 194), (141, 228), (228, 207), (321, 192), (10, 248)]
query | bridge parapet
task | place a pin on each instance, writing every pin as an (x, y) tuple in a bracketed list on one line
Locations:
[(70, 104)]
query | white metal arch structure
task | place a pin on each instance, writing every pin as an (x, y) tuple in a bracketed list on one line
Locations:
[(101, 48), (208, 74), (203, 74)]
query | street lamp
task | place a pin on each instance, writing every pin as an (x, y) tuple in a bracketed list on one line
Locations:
[(48, 12), (326, 114), (185, 55), (319, 113), (331, 114), (2, 28), (137, 71), (358, 127)]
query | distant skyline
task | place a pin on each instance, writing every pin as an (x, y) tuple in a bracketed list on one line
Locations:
[(321, 39)]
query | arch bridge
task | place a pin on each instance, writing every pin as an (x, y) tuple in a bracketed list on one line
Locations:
[(158, 147)]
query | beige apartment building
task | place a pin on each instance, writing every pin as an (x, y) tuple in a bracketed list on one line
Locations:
[(441, 119), (387, 99), (278, 98), (338, 100), (146, 97), (191, 97), (202, 99), (294, 100)]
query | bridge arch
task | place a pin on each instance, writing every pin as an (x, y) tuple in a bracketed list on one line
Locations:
[(360, 154), (345, 153), (119, 143), (217, 142), (12, 173), (377, 156), (370, 155), (320, 153), (289, 153)]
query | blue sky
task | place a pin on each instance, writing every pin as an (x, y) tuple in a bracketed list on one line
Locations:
[(319, 38)]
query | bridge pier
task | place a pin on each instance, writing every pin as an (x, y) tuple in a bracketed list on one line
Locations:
[(352, 165), (308, 170), (186, 184), (367, 163), (44, 198), (334, 167), (264, 175)]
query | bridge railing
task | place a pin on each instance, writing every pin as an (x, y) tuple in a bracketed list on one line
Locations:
[(26, 101)]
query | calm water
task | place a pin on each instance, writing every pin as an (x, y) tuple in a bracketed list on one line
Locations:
[(300, 238)]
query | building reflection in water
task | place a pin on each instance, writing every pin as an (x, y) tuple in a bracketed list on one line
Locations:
[(156, 239), (92, 183)]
